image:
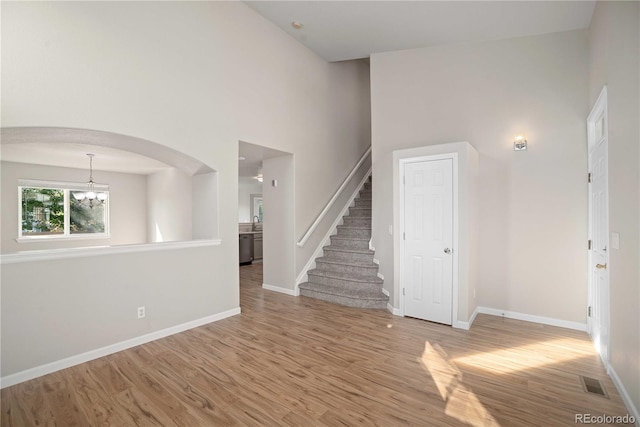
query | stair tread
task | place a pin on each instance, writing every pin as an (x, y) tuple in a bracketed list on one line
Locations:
[(345, 274), (345, 292), (348, 263), (339, 237), (352, 277), (349, 250)]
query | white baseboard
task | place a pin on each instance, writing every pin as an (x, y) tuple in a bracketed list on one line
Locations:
[(459, 324), (466, 325), (473, 316), (77, 359), (303, 276), (390, 308), (633, 410), (293, 292), (533, 318), (393, 310)]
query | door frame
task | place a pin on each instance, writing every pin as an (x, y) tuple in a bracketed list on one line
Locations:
[(456, 247), (599, 109)]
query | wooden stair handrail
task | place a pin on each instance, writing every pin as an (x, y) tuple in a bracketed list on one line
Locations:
[(322, 214)]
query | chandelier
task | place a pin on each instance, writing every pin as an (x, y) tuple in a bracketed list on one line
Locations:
[(90, 197)]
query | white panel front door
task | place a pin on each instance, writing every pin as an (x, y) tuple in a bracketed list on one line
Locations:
[(599, 238), (428, 237), (598, 295)]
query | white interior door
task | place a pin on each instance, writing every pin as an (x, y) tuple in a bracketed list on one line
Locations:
[(598, 293), (428, 237)]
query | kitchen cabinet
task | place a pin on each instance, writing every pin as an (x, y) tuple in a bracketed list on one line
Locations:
[(257, 246)]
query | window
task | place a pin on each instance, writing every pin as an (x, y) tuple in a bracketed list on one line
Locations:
[(55, 210), (256, 207)]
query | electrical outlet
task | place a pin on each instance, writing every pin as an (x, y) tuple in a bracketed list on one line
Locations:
[(141, 312)]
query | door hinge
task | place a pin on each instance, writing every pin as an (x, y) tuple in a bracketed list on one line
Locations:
[(589, 311), (402, 291), (589, 178), (589, 244), (404, 236)]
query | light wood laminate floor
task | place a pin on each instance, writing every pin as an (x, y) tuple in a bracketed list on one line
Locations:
[(302, 362)]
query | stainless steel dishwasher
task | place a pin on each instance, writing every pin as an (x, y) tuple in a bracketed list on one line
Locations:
[(246, 248)]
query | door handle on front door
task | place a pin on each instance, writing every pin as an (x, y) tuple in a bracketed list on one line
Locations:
[(601, 266), (447, 251)]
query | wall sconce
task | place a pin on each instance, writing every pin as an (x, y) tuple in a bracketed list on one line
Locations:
[(520, 144)]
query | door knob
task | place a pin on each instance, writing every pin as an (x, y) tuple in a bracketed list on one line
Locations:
[(601, 266), (447, 251)]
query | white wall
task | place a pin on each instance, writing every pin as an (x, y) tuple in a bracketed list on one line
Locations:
[(614, 45), (278, 233), (532, 204), (127, 205), (206, 206), (49, 315), (169, 206), (246, 187), (197, 77)]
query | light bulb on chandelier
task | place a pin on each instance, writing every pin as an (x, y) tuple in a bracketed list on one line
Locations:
[(90, 195)]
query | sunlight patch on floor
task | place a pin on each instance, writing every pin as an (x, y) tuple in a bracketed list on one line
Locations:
[(461, 403), (529, 356)]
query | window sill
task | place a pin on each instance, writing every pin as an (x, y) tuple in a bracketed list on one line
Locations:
[(58, 238), (52, 254)]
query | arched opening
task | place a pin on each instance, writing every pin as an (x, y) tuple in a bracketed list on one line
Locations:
[(156, 194)]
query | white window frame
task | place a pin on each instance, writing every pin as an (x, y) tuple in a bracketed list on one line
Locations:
[(67, 188)]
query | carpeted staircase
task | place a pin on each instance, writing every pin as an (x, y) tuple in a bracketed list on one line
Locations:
[(346, 274)]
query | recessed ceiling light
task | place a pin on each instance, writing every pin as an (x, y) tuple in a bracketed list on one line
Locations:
[(242, 158), (297, 25)]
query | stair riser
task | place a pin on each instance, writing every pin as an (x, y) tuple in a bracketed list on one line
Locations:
[(350, 232), (353, 234), (345, 268), (348, 257), (325, 280), (360, 212), (350, 221), (349, 243), (349, 302)]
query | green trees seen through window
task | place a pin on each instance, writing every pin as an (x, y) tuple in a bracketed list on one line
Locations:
[(43, 213)]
